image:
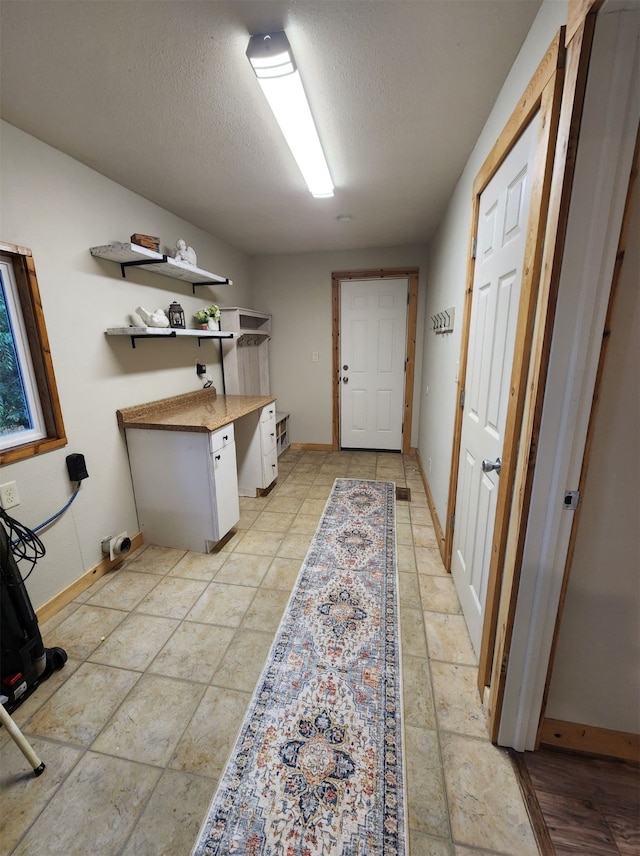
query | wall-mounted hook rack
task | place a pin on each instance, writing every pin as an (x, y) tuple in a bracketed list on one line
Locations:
[(442, 322)]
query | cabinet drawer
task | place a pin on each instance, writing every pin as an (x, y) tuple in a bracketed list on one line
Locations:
[(268, 412), (269, 467), (221, 438), (268, 435)]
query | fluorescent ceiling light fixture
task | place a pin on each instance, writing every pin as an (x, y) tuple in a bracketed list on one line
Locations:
[(272, 60)]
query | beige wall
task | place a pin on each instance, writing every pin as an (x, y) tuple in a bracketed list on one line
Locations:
[(59, 208), (296, 290), (596, 680)]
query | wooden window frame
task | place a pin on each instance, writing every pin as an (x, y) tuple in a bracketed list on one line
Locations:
[(31, 305)]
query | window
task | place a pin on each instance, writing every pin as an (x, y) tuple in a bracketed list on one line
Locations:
[(30, 415)]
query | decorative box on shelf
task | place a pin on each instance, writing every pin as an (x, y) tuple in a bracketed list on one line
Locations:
[(151, 242)]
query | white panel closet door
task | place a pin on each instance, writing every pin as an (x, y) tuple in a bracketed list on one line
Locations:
[(502, 233)]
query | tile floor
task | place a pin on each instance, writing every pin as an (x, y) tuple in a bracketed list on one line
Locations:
[(164, 653)]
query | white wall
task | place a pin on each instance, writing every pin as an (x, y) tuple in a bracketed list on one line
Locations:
[(600, 620), (59, 208), (448, 264), (296, 290)]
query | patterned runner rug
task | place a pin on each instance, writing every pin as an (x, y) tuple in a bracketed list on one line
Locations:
[(317, 768)]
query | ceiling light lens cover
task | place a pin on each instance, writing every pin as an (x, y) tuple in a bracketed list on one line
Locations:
[(272, 60)]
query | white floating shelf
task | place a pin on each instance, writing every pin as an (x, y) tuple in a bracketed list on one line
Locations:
[(166, 333), (133, 255)]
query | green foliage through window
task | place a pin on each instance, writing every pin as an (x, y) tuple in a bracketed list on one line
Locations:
[(14, 408)]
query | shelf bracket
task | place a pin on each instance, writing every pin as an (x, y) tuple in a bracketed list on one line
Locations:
[(224, 336), (138, 263), (211, 282), (147, 262), (133, 337)]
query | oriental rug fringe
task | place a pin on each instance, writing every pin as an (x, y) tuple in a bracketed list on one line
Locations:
[(317, 769)]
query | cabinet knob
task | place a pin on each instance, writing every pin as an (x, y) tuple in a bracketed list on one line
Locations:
[(226, 437), (218, 457)]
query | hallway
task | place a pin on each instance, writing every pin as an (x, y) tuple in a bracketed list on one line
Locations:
[(164, 653)]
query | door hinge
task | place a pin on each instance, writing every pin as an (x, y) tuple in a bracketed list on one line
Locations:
[(503, 665), (474, 246), (463, 393), (453, 521)]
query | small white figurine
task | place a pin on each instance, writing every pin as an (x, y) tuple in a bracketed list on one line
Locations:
[(184, 253), (153, 319)]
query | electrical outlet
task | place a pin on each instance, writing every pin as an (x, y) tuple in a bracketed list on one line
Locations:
[(9, 495), (201, 369)]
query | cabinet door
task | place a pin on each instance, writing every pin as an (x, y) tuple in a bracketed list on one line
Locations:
[(173, 488), (225, 478)]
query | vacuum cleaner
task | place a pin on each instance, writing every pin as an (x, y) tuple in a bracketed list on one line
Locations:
[(24, 661)]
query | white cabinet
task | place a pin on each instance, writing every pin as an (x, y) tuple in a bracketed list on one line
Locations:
[(257, 451), (246, 355), (185, 485)]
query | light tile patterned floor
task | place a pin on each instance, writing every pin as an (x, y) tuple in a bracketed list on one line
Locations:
[(164, 654)]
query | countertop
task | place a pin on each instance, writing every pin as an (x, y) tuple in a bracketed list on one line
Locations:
[(203, 410)]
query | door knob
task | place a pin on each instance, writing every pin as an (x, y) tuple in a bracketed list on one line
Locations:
[(345, 380), (489, 466)]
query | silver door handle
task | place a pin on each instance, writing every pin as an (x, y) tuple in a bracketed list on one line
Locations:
[(489, 466), (345, 380)]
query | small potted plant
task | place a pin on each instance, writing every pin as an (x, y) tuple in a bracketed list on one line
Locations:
[(209, 317)]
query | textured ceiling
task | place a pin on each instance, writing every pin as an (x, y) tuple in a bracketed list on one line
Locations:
[(159, 97)]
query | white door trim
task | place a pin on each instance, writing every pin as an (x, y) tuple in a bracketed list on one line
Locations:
[(601, 178)]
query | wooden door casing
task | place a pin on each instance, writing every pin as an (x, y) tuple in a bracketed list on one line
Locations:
[(411, 274), (544, 93)]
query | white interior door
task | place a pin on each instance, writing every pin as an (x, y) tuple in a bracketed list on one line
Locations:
[(502, 233), (373, 337)]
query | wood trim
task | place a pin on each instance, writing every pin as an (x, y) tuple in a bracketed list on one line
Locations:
[(376, 273), (606, 335), (589, 739), (462, 381), (58, 601), (432, 507), (412, 314), (577, 11), (538, 357), (531, 314), (410, 365), (33, 315), (311, 447), (536, 816), (335, 367), (530, 101)]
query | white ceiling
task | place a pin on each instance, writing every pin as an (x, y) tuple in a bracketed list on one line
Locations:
[(158, 95)]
